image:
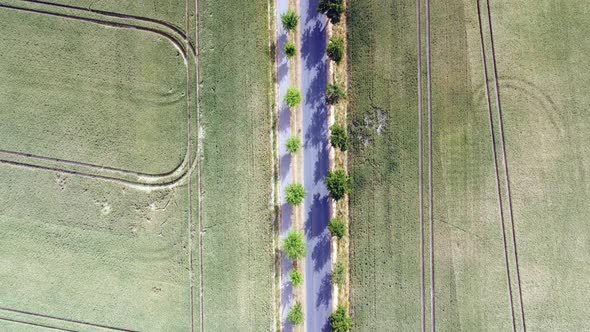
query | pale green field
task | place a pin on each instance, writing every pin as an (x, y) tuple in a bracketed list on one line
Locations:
[(542, 51), (93, 251), (86, 249), (84, 92)]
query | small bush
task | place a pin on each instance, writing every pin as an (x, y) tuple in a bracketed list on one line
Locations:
[(294, 245), (337, 227), (295, 315), (338, 183), (334, 93), (339, 274), (332, 8), (339, 137), (290, 49), (340, 320), (290, 20), (295, 193), (335, 49), (293, 144), (296, 278), (293, 97)]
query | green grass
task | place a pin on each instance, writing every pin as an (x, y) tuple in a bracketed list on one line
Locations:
[(237, 178), (84, 92)]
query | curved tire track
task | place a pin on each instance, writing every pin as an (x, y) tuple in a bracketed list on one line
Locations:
[(124, 16), (147, 178)]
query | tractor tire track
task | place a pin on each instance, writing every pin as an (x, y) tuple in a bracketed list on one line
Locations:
[(182, 34), (34, 314), (504, 155), (36, 324), (430, 173), (199, 157), (141, 176), (421, 166), (496, 167)]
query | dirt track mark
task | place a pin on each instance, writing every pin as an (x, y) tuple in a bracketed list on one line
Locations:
[(496, 167), (504, 155), (430, 189), (421, 166), (29, 313), (134, 183)]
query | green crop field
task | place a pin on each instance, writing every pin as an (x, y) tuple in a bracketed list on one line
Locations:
[(237, 214), (541, 67)]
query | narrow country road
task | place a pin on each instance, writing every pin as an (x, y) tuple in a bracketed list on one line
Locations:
[(315, 158), (285, 176)]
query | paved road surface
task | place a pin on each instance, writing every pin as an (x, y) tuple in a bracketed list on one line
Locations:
[(315, 157), (284, 163)]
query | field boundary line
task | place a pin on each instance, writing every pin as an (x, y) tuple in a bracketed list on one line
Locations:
[(132, 183), (505, 158), (430, 173), (421, 165), (496, 167), (69, 320)]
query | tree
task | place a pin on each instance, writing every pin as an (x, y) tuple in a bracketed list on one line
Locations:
[(295, 315), (289, 20), (334, 93), (332, 8), (338, 183), (339, 137), (296, 278), (295, 193), (293, 97), (340, 320), (337, 227), (335, 49), (339, 274), (294, 245), (290, 49), (293, 144)]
